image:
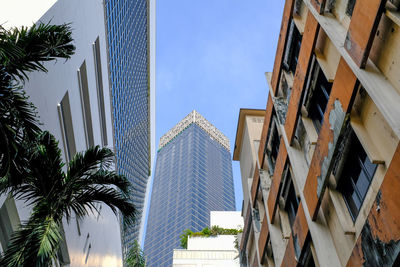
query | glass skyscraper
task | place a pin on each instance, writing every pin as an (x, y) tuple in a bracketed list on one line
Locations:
[(193, 176), (128, 36)]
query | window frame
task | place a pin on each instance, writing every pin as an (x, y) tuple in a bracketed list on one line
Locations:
[(307, 254), (353, 145), (67, 128), (350, 7), (85, 104), (314, 90), (288, 191), (292, 48), (100, 91), (9, 222), (271, 146)]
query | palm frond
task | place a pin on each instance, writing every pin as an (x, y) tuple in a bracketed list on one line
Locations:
[(24, 49), (83, 164), (35, 244), (18, 123), (44, 177), (103, 177), (103, 194)]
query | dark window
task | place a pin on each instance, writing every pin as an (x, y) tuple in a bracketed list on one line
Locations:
[(319, 99), (64, 113), (296, 50), (268, 252), (85, 99), (272, 144), (393, 5), (350, 7), (100, 95), (289, 196), (306, 259), (297, 7), (9, 222), (292, 49), (356, 176), (397, 261)]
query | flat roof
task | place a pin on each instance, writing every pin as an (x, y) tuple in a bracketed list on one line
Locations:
[(240, 126)]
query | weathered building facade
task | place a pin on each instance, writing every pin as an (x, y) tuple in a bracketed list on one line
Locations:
[(323, 190)]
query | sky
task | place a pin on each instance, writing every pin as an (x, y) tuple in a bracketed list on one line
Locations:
[(211, 56)]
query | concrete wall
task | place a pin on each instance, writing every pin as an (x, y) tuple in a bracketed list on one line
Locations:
[(184, 258), (219, 242), (248, 154)]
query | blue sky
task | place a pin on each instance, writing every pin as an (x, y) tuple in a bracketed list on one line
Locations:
[(211, 55)]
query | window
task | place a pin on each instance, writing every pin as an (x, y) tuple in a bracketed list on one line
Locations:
[(297, 7), (350, 7), (356, 176), (9, 222), (393, 5), (256, 218), (306, 259), (86, 242), (64, 113), (268, 253), (272, 144), (317, 95), (85, 100), (275, 145), (63, 255), (88, 253), (100, 94), (289, 197), (292, 49)]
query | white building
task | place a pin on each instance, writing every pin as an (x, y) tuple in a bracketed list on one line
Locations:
[(74, 103), (213, 251)]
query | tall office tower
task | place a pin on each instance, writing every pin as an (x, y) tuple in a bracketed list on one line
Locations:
[(130, 35), (193, 176), (104, 95), (325, 187)]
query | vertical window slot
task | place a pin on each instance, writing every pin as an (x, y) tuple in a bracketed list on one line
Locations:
[(100, 94), (64, 113), (85, 100)]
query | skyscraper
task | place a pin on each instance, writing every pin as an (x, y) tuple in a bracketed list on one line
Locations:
[(130, 35), (193, 176)]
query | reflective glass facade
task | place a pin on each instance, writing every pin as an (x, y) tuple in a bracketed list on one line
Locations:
[(127, 36), (193, 176)]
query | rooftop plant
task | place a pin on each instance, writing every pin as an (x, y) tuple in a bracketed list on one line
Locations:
[(207, 232)]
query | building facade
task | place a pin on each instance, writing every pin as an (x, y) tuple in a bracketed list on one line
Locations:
[(323, 192), (77, 101), (212, 251), (193, 176), (131, 62), (247, 143), (73, 101)]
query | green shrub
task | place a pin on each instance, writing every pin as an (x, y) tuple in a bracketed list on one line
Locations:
[(206, 232)]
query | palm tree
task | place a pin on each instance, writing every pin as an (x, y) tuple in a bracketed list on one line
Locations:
[(21, 51), (55, 194), (135, 256)]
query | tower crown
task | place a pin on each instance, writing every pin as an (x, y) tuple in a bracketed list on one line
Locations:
[(197, 118)]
